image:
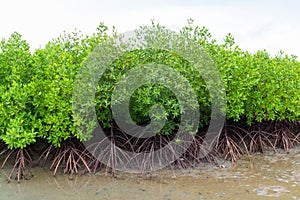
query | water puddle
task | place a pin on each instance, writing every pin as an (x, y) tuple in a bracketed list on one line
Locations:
[(271, 191), (269, 176)]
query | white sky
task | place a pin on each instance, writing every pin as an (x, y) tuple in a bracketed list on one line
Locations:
[(256, 24)]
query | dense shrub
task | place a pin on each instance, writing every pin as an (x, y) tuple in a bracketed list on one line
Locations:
[(259, 87), (17, 115), (56, 68), (149, 95), (36, 88)]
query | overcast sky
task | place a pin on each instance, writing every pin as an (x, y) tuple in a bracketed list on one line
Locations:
[(256, 24)]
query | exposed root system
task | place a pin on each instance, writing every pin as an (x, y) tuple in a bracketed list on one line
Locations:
[(125, 152), (70, 155), (22, 160), (120, 151)]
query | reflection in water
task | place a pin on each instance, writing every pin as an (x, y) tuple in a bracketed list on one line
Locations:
[(265, 176)]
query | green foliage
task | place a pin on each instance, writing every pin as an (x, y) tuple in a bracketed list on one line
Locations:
[(17, 116), (145, 97), (36, 89), (57, 65), (258, 87)]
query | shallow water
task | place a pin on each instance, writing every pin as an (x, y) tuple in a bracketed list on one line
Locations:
[(269, 176)]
